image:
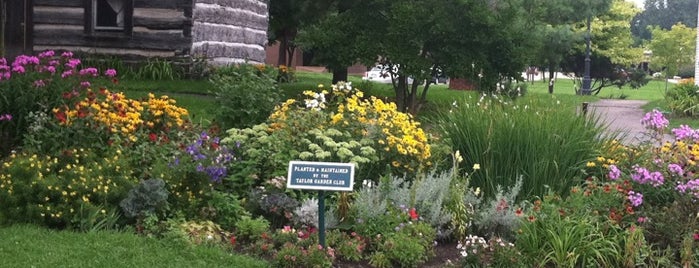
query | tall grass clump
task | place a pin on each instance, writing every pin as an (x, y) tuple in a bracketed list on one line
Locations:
[(543, 141)]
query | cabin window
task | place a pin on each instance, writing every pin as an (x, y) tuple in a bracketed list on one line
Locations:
[(111, 15)]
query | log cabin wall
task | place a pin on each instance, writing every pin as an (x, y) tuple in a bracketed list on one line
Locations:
[(230, 31), (151, 28)]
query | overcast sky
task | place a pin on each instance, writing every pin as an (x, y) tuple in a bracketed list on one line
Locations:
[(639, 3)]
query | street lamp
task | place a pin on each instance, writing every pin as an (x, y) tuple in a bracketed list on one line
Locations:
[(586, 83)]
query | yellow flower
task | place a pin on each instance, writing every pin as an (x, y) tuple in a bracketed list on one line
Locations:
[(590, 164), (476, 166)]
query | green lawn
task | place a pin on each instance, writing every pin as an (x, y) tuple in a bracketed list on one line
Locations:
[(192, 94), (29, 246)]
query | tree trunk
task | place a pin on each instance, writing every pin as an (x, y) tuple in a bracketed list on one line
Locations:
[(551, 81), (339, 74), (290, 51), (282, 51), (401, 90)]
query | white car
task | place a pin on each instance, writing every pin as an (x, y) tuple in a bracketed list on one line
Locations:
[(381, 74)]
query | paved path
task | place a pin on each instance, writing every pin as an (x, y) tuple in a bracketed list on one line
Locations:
[(623, 116)]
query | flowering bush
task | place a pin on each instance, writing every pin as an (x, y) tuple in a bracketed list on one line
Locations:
[(338, 125), (62, 190), (662, 184), (40, 83)]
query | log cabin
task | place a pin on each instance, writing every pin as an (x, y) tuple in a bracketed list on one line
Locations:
[(222, 31)]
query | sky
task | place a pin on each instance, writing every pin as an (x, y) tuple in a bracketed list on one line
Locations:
[(638, 3)]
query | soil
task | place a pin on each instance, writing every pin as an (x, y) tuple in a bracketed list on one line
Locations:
[(444, 254)]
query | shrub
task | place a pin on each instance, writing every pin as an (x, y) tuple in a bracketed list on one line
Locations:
[(683, 99), (38, 84), (245, 95), (291, 255), (335, 126), (248, 229), (543, 142), (60, 190)]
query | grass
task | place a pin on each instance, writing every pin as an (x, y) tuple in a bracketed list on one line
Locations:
[(192, 94), (30, 246)]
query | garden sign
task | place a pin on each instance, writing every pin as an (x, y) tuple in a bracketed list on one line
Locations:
[(321, 176)]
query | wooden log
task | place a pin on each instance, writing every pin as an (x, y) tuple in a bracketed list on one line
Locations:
[(171, 4), (131, 53), (58, 15), (155, 40), (60, 3), (157, 18)]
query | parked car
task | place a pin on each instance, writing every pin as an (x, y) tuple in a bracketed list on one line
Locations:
[(379, 74)]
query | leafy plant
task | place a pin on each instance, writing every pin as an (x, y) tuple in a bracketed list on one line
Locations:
[(539, 140), (683, 99), (148, 197), (244, 96), (248, 229)]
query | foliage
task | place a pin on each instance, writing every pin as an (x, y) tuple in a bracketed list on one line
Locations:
[(148, 197), (155, 69), (306, 215), (400, 249), (540, 140), (334, 126), (62, 190), (495, 252), (347, 246), (200, 232), (291, 255), (663, 14), (247, 229), (38, 84), (498, 216), (672, 49), (277, 207), (662, 187), (683, 99), (244, 95)]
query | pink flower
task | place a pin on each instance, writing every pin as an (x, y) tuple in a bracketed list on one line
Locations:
[(67, 73), (110, 73), (89, 71), (641, 219), (47, 54), (39, 83), (18, 69), (696, 236), (67, 54), (51, 69), (5, 117), (85, 84)]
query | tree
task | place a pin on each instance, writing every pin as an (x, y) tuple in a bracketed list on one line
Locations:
[(286, 17), (553, 20), (672, 49), (484, 41), (613, 54), (664, 14), (332, 40)]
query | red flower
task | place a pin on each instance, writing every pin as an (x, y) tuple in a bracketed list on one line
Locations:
[(232, 240), (61, 116), (413, 214), (696, 236), (153, 137), (518, 212)]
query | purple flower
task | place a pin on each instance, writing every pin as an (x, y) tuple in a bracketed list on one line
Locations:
[(72, 63), (67, 73), (675, 168), (47, 54), (110, 73), (18, 69), (635, 198), (67, 54), (654, 120), (89, 71), (656, 179), (640, 175), (683, 132), (85, 84), (5, 117), (51, 69), (614, 172)]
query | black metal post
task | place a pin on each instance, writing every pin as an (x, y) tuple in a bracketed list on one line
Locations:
[(587, 81), (321, 218)]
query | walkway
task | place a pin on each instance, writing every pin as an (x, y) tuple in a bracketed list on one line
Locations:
[(623, 116)]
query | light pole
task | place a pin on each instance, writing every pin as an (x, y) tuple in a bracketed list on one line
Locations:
[(586, 83)]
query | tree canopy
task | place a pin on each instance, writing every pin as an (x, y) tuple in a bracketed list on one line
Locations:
[(664, 14)]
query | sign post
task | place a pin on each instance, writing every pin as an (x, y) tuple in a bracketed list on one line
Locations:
[(321, 176)]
